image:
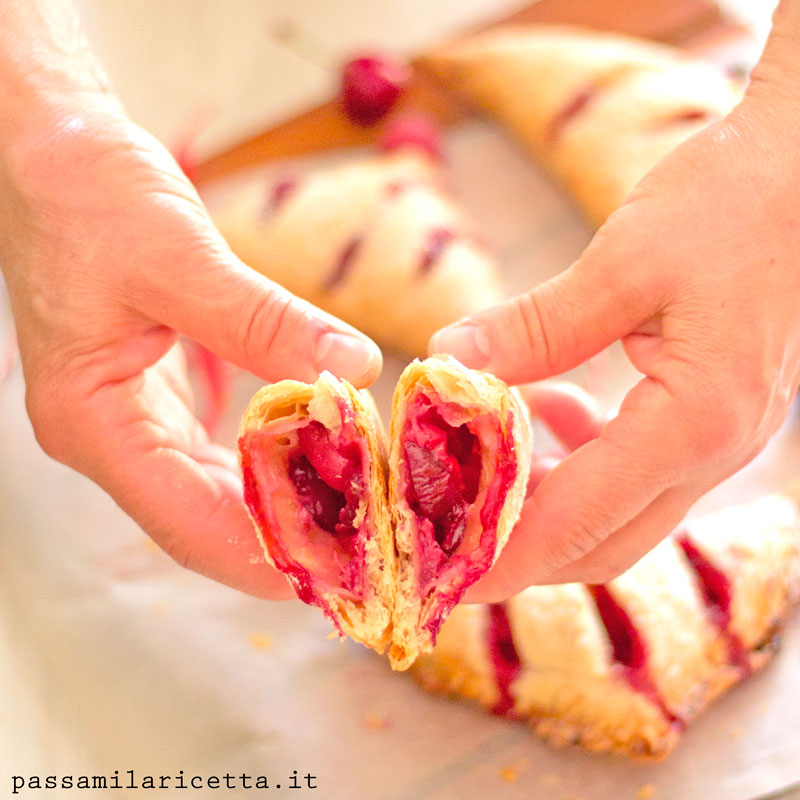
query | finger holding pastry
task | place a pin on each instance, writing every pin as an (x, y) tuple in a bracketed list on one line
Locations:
[(697, 276)]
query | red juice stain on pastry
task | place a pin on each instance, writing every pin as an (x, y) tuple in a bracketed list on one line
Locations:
[(717, 592), (415, 132), (579, 103), (438, 239), (503, 655), (344, 262), (629, 648), (280, 193), (371, 85)]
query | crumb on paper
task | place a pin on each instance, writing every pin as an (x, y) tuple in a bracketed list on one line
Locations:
[(375, 722), (736, 733), (334, 635), (260, 641), (149, 545), (510, 772), (646, 791)]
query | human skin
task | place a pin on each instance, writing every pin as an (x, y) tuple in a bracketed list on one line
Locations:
[(109, 255), (698, 275)]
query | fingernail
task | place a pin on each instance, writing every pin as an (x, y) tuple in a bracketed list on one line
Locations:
[(348, 357), (467, 342)]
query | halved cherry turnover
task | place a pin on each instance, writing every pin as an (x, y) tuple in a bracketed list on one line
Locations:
[(312, 459), (315, 488), (459, 462)]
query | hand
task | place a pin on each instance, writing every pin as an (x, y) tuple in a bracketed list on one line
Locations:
[(698, 276), (108, 255)]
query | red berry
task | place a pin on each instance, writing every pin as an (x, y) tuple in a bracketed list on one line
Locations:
[(371, 85)]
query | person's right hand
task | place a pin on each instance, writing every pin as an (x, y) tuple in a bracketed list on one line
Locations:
[(697, 275), (109, 255)]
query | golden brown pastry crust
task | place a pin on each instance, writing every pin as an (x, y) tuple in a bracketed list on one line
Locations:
[(599, 109), (577, 679), (376, 242)]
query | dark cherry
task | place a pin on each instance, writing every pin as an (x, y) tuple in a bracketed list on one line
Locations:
[(444, 467), (321, 501), (371, 85)]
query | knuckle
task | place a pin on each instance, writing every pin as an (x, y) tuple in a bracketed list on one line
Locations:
[(571, 544), (48, 421), (264, 321), (730, 422), (534, 328)]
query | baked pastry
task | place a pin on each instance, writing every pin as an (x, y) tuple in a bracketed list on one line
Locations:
[(312, 459), (458, 466), (624, 666), (376, 242), (599, 109), (386, 571)]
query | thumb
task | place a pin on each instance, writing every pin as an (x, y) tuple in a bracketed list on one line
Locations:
[(256, 324), (555, 326)]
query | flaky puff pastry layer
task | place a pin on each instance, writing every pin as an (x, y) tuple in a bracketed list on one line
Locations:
[(394, 607), (473, 399), (377, 242), (625, 667), (286, 531), (599, 109)]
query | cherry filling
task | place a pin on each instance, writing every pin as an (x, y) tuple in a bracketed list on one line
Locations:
[(717, 593), (437, 241), (304, 484), (327, 479), (504, 656), (629, 649), (444, 467), (347, 256)]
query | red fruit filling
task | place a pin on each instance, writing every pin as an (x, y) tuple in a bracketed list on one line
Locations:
[(717, 592), (371, 85), (456, 511), (344, 262), (504, 656), (415, 131), (438, 240), (629, 649), (304, 484)]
